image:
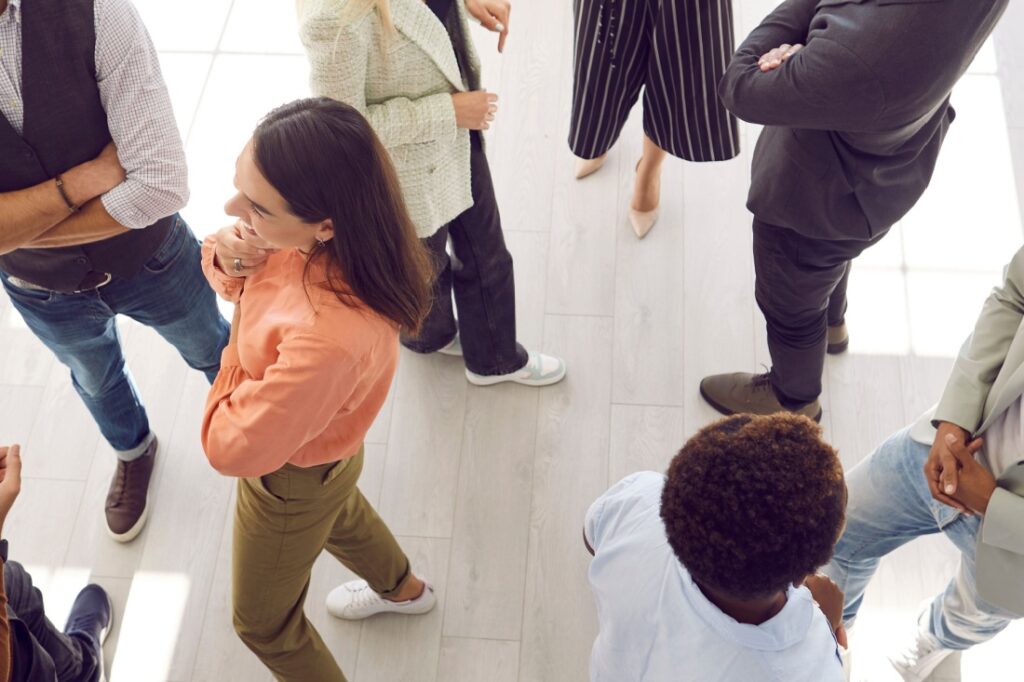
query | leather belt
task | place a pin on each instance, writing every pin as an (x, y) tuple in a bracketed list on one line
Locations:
[(92, 281)]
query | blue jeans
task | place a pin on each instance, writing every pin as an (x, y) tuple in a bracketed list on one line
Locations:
[(170, 295), (890, 505)]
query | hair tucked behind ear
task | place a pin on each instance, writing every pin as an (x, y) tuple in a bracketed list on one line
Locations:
[(323, 157)]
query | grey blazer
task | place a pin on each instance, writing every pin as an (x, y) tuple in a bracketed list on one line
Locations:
[(403, 85), (988, 377), (854, 121)]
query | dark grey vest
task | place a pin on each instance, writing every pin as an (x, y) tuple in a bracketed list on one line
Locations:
[(65, 125)]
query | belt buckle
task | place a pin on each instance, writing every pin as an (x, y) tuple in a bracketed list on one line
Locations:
[(107, 277)]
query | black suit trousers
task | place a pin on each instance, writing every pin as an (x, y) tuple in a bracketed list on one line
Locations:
[(801, 289), (41, 652)]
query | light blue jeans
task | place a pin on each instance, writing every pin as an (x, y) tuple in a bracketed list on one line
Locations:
[(890, 505)]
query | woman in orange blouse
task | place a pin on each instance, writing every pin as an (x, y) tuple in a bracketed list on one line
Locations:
[(312, 354)]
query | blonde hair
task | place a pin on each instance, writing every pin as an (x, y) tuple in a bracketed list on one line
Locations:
[(352, 11)]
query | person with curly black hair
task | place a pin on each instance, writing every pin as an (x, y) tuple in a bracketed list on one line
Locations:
[(708, 573)]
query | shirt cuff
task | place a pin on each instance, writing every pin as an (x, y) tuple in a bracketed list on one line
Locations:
[(229, 288), (1001, 527), (122, 211), (124, 201)]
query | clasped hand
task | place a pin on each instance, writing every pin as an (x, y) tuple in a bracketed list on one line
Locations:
[(954, 477), (773, 59)]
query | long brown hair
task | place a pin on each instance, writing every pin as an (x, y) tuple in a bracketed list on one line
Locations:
[(323, 157)]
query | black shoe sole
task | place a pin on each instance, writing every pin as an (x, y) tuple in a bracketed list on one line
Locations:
[(728, 413)]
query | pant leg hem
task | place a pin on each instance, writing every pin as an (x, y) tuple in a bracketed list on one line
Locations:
[(500, 370), (136, 452), (401, 582), (427, 349)]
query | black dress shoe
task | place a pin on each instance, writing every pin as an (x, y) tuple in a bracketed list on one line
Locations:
[(91, 615)]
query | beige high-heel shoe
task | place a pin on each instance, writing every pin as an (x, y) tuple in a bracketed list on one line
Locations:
[(642, 221), (585, 167)]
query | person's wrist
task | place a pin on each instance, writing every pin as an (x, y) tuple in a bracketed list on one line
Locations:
[(76, 184), (950, 427), (84, 182), (986, 497)]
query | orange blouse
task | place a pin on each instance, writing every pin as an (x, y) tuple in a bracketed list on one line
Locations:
[(307, 374)]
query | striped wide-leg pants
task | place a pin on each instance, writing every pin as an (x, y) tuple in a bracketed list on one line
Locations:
[(677, 51)]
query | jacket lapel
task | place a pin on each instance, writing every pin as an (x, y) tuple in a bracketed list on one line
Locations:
[(414, 20)]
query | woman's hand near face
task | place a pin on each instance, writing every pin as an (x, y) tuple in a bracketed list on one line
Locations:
[(475, 110), (239, 254)]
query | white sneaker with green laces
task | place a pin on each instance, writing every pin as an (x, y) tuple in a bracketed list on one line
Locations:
[(922, 656), (356, 600), (540, 370)]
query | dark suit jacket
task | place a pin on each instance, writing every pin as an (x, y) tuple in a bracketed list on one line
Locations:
[(854, 121)]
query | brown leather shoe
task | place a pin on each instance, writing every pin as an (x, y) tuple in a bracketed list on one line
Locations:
[(838, 339), (126, 502), (743, 392)]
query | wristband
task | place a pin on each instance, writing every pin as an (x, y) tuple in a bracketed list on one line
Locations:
[(72, 207)]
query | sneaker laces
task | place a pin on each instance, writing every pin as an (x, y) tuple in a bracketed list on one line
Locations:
[(121, 481), (363, 596), (762, 382)]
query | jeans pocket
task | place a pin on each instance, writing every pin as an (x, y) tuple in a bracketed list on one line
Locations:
[(178, 241), (31, 296)]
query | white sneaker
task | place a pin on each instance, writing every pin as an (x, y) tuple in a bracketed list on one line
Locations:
[(921, 657), (454, 347), (540, 370), (355, 600)]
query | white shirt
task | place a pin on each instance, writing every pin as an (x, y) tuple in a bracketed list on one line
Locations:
[(657, 626), (1004, 440), (139, 113)]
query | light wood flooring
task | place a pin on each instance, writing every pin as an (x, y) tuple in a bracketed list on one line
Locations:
[(486, 487)]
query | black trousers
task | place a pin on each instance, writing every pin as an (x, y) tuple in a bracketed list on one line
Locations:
[(41, 652), (480, 273), (676, 51), (801, 289)]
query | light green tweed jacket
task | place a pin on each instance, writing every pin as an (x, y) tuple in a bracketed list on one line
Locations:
[(987, 378), (403, 85)]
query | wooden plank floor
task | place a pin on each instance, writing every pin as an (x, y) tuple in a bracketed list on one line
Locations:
[(486, 487)]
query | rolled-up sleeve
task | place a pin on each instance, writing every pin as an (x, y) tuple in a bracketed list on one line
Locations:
[(140, 119), (253, 426), (227, 287)]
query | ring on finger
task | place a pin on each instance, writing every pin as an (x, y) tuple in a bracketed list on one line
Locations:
[(237, 264)]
